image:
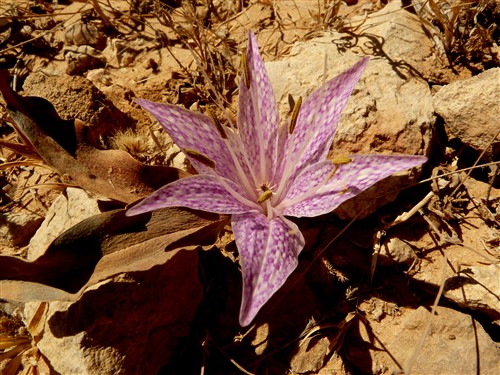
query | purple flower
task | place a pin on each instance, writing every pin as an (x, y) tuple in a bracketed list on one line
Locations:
[(261, 172)]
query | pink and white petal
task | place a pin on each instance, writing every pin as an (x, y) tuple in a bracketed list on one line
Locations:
[(200, 192), (349, 180), (319, 116), (258, 119), (269, 251), (193, 131), (311, 178)]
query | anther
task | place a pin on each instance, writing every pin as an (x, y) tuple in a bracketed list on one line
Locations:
[(265, 196), (198, 156), (294, 115), (338, 161), (216, 122), (246, 70)]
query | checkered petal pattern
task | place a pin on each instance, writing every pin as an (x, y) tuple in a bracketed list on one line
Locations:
[(192, 130), (200, 192), (348, 181), (269, 251), (258, 119)]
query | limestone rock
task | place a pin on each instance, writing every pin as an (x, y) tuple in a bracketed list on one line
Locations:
[(129, 324), (470, 109), (396, 251), (76, 97), (476, 287), (67, 210), (397, 35), (83, 58), (17, 229), (455, 344), (80, 33), (311, 355), (463, 344)]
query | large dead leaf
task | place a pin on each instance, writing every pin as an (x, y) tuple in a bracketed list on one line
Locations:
[(103, 246), (63, 145)]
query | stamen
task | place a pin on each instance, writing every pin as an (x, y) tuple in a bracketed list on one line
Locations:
[(338, 161), (265, 196), (294, 115), (198, 156), (217, 123), (246, 70)]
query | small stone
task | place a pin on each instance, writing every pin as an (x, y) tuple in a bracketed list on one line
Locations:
[(395, 251), (76, 97), (470, 110), (83, 58), (79, 34), (261, 340)]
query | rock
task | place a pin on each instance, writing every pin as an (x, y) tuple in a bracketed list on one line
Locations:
[(66, 211), (17, 229), (311, 354), (129, 324), (476, 287), (396, 35), (387, 112), (335, 365), (99, 77), (470, 110), (455, 344), (80, 33), (261, 339), (395, 251), (122, 53), (76, 97), (83, 58)]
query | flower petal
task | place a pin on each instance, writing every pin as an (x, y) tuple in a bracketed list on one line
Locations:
[(312, 194), (318, 118), (258, 118), (269, 251), (191, 130), (200, 192)]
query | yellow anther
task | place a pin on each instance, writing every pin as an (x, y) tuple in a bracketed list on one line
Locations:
[(265, 196), (337, 161), (198, 156)]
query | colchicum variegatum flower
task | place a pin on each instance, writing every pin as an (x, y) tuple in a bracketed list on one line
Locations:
[(260, 172)]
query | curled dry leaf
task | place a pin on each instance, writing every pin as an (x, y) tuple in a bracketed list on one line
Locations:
[(62, 145), (103, 246)]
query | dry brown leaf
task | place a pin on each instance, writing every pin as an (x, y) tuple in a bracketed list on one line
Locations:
[(103, 246), (62, 144)]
